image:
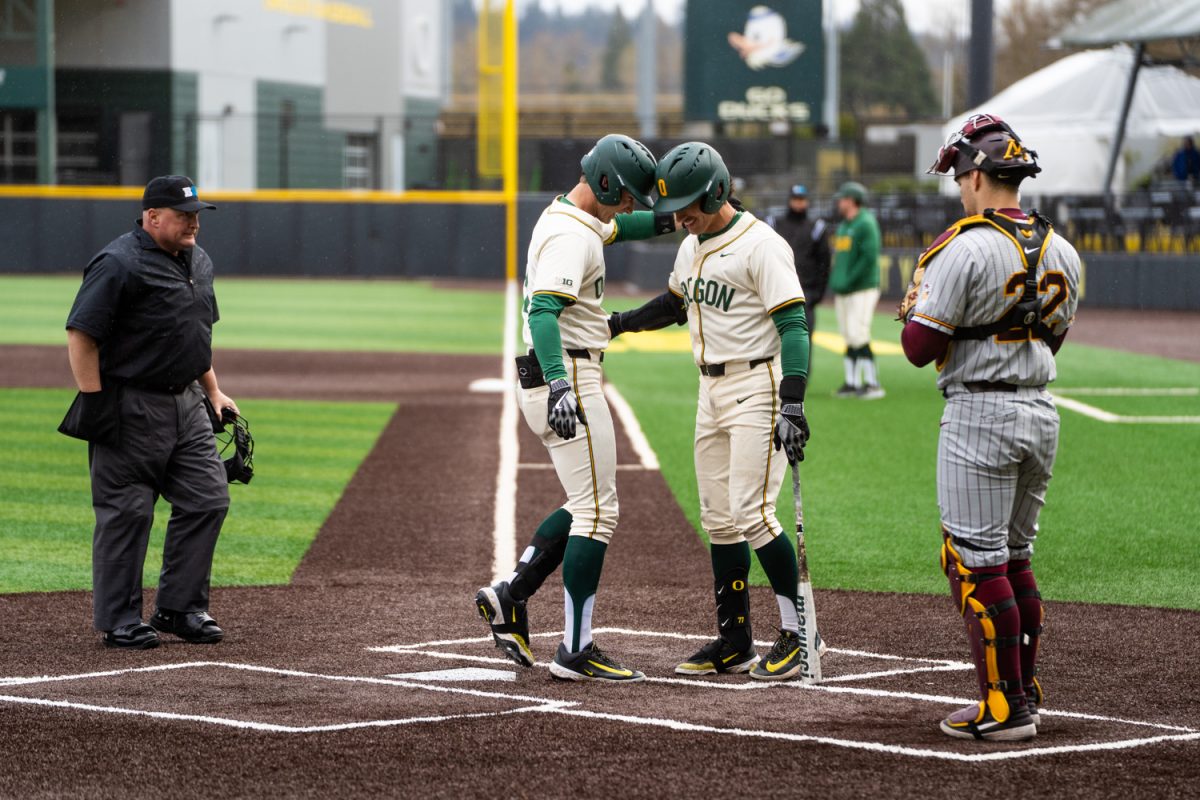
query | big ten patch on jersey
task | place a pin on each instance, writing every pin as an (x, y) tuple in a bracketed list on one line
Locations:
[(843, 243), (710, 292)]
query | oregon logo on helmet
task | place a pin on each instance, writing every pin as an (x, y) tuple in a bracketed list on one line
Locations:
[(694, 170), (617, 163)]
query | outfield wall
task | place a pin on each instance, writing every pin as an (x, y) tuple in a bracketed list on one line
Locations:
[(459, 240)]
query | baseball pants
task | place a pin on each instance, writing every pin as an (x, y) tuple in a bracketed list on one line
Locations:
[(166, 448), (586, 465), (995, 456), (854, 313), (738, 470)]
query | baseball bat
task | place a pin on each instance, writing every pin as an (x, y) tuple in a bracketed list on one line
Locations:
[(806, 609)]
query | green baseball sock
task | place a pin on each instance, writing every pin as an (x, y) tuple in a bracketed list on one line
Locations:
[(542, 556), (778, 559), (731, 568), (581, 576)]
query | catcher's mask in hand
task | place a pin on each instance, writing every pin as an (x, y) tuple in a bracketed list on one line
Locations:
[(237, 447)]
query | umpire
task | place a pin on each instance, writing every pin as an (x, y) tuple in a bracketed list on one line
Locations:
[(810, 248), (139, 338)]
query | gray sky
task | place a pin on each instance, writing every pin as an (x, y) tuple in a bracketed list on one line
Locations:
[(921, 14)]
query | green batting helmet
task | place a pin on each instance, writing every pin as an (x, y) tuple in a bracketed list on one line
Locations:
[(690, 171), (618, 162)]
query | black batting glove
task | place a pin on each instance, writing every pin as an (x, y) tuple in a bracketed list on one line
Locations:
[(614, 325), (562, 409), (791, 429)]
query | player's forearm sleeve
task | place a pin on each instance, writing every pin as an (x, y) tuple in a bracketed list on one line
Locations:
[(665, 310), (638, 225), (543, 328), (792, 325)]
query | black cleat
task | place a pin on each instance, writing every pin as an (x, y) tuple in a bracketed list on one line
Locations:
[(719, 655), (783, 662), (591, 664), (508, 620), (977, 722)]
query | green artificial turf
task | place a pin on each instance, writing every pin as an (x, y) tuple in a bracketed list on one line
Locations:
[(305, 453), (376, 315), (1118, 527)]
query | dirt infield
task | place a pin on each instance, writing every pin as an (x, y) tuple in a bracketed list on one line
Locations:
[(298, 700)]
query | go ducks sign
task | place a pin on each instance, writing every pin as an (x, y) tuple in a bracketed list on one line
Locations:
[(748, 61)]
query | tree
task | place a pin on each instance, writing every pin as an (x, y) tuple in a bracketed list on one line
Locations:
[(883, 71), (1023, 31), (620, 39)]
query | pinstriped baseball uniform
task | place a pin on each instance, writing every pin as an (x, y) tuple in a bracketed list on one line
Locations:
[(566, 258), (996, 449), (731, 283)]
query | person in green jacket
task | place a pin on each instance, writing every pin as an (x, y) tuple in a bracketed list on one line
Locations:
[(854, 281)]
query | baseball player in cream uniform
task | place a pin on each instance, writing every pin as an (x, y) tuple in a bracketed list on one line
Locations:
[(561, 397), (991, 306), (734, 282)]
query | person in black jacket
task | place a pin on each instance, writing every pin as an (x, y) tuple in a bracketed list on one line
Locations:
[(139, 339), (810, 247)]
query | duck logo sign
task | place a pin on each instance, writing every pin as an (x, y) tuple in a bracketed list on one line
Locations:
[(754, 62)]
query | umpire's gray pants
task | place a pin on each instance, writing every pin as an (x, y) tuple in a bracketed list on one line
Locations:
[(995, 456), (166, 448)]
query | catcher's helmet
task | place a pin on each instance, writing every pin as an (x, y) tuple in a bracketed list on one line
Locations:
[(690, 171), (986, 142), (618, 162)]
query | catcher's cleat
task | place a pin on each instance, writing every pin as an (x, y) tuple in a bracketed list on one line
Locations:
[(508, 620), (591, 664), (846, 390), (783, 662), (977, 722), (718, 656), (1033, 699)]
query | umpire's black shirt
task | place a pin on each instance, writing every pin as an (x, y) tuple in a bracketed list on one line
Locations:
[(151, 312)]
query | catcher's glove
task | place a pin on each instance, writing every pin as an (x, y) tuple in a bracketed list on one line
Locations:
[(911, 295)]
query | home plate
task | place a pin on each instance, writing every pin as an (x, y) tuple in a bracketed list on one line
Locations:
[(488, 386), (459, 674)]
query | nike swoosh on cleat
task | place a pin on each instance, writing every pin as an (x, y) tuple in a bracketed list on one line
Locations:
[(778, 665), (624, 673)]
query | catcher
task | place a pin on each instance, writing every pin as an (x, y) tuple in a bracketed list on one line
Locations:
[(991, 303)]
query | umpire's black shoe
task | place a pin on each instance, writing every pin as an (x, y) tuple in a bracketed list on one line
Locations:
[(717, 656), (134, 636), (196, 627)]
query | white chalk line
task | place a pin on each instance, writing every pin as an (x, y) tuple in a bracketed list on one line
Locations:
[(876, 747), (1126, 391), (259, 726), (633, 429), (504, 521), (548, 466), (1109, 417), (567, 708)]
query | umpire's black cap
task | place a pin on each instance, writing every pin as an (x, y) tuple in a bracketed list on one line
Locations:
[(173, 191)]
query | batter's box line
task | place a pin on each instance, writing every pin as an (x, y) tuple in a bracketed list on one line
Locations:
[(927, 664), (289, 673), (937, 664)]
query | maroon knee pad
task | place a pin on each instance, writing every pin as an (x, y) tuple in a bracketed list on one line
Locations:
[(989, 609), (1033, 615)]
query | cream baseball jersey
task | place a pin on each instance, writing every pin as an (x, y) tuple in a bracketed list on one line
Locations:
[(731, 284), (973, 280), (566, 259)]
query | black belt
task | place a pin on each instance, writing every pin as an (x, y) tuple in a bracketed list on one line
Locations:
[(717, 370), (975, 387), (174, 388), (583, 354)]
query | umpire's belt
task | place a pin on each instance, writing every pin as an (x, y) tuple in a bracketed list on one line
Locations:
[(174, 388), (717, 370), (581, 353)]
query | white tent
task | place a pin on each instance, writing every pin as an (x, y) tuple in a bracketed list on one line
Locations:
[(1068, 113)]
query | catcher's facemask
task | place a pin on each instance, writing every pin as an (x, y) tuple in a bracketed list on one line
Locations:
[(988, 143), (236, 447)]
